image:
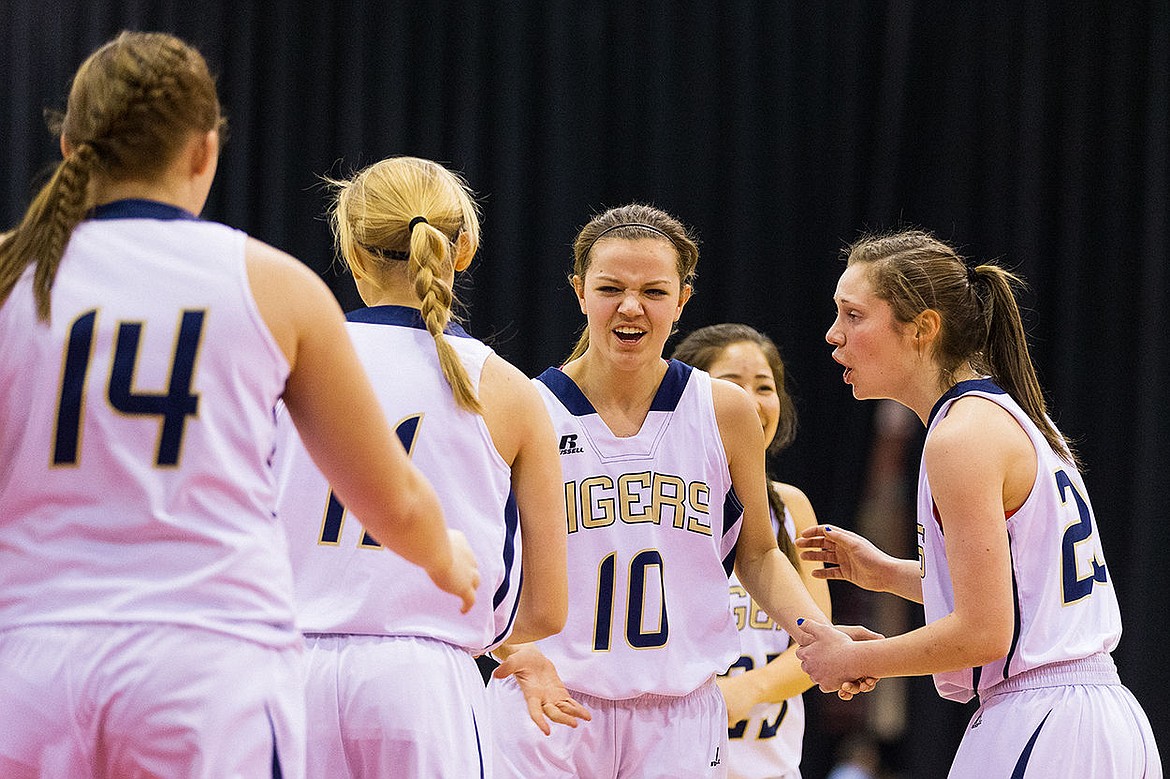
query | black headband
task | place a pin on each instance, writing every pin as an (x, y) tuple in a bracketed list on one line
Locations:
[(642, 225)]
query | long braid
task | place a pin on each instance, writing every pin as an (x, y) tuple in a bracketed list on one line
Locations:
[(430, 249), (133, 103)]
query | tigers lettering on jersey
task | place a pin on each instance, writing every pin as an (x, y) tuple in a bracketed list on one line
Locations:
[(646, 496)]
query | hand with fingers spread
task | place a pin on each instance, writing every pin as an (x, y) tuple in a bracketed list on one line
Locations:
[(544, 693), (853, 558)]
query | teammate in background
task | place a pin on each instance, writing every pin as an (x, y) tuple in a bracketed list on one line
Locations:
[(765, 710), (651, 450), (393, 688), (146, 615), (1020, 606)]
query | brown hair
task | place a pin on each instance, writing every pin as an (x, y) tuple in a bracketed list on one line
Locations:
[(702, 349), (133, 105), (629, 223), (413, 210), (981, 323)]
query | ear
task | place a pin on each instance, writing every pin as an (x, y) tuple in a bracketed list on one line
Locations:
[(684, 295), (579, 288), (66, 147), (204, 152), (464, 251), (927, 326)]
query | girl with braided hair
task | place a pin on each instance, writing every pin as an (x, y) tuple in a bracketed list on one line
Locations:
[(146, 609), (393, 687), (1020, 606)]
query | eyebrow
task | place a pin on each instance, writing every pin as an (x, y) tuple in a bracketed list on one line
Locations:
[(601, 276)]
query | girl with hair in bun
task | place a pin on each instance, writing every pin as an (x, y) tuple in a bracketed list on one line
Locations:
[(1020, 606), (146, 610), (393, 687)]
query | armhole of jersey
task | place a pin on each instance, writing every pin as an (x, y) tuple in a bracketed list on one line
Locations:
[(240, 239)]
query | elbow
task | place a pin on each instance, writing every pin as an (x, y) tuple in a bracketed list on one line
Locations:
[(990, 643)]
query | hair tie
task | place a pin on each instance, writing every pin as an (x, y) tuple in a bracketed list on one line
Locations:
[(972, 275), (415, 221)]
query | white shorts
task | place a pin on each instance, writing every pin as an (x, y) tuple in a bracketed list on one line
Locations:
[(382, 706), (148, 701), (1064, 719), (648, 737)]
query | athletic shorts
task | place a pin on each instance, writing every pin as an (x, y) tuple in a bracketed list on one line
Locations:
[(388, 706), (148, 700), (1065, 719), (648, 737)]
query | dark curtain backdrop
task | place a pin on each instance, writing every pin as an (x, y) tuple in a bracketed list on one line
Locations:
[(1032, 133)]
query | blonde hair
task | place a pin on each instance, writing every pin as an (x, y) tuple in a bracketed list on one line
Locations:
[(413, 210), (630, 223), (133, 104)]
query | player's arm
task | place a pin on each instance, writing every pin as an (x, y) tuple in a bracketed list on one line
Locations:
[(853, 558), (765, 572), (342, 425), (968, 458), (523, 434), (783, 677)]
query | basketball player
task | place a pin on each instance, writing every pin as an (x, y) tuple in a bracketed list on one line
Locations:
[(1020, 606), (146, 618), (393, 687), (651, 450), (765, 710)]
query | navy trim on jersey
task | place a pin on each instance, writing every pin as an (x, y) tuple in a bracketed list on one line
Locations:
[(732, 513), (135, 208), (401, 316), (1026, 755), (962, 388), (511, 531), (1017, 617), (575, 402)]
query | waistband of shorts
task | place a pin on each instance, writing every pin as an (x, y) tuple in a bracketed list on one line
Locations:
[(1094, 669), (648, 698)]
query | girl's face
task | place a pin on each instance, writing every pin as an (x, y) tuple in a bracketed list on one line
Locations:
[(881, 355), (632, 296), (744, 363)]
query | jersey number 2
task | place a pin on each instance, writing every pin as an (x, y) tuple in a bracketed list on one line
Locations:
[(1080, 531), (172, 407)]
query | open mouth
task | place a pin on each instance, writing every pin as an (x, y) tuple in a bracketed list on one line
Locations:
[(629, 335)]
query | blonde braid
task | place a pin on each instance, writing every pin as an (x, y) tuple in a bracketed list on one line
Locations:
[(430, 249)]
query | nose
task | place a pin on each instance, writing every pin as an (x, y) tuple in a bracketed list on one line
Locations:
[(630, 305), (834, 336)]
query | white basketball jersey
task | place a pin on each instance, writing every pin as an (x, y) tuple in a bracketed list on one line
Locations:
[(652, 523), (1065, 605), (346, 582), (768, 742), (137, 429)]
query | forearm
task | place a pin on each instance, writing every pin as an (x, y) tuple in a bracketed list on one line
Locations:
[(947, 644), (776, 586), (903, 578)]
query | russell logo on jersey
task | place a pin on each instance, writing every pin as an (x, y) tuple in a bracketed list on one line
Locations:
[(569, 445)]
